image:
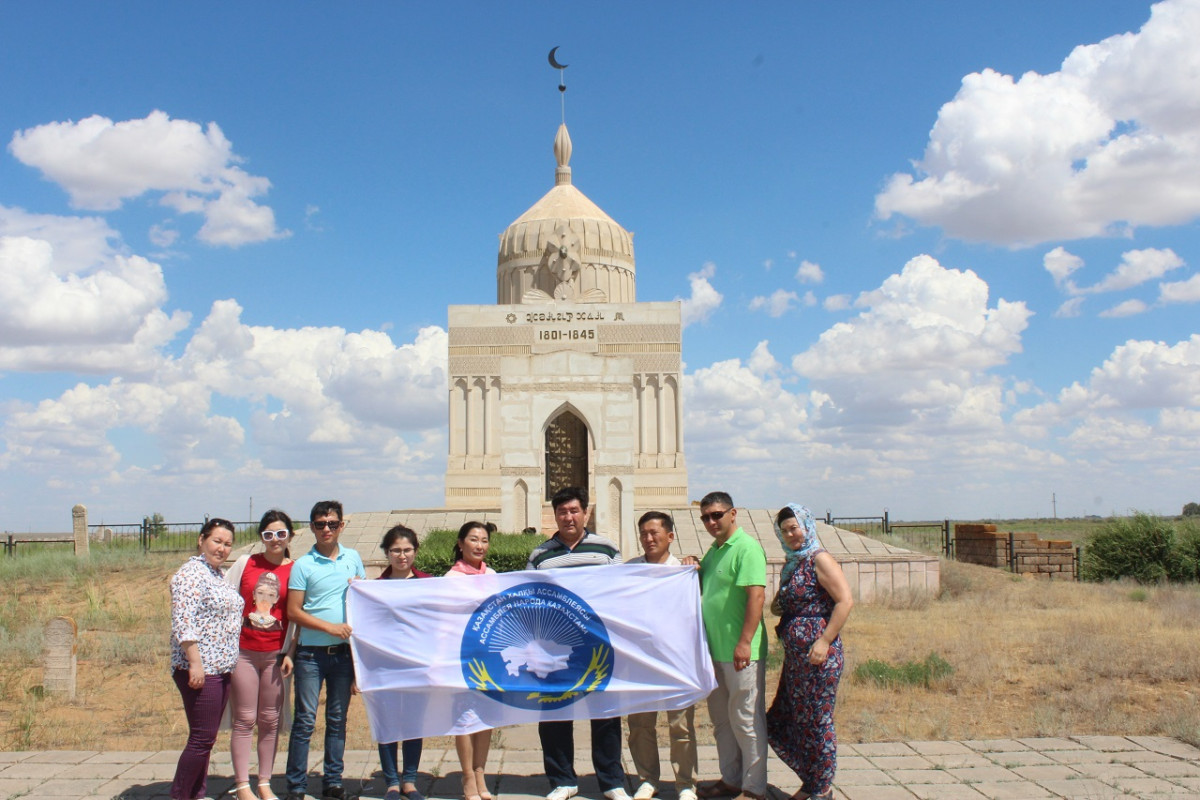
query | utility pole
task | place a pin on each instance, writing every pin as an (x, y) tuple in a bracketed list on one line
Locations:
[(1054, 504), (251, 517)]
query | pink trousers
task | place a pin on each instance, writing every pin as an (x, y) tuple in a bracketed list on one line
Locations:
[(257, 697)]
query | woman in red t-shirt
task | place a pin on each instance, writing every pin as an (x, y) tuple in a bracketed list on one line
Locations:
[(263, 661)]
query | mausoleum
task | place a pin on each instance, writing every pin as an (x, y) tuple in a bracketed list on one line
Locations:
[(568, 380)]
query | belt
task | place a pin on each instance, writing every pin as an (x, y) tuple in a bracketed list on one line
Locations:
[(330, 649)]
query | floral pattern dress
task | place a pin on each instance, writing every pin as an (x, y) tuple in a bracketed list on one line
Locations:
[(800, 721)]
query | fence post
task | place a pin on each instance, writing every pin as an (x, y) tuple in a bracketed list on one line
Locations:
[(145, 534), (80, 529), (946, 549), (887, 527), (9, 547), (1012, 553), (828, 516)]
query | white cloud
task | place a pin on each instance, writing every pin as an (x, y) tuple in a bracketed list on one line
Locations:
[(809, 299), (1061, 264), (778, 304), (767, 264), (101, 164), (1136, 267), (809, 272), (836, 302), (103, 320), (1110, 141), (705, 299), (929, 336), (79, 243), (1070, 308), (1187, 291), (1128, 308), (761, 361)]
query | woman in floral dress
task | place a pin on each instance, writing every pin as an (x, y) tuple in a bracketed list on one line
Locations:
[(813, 603)]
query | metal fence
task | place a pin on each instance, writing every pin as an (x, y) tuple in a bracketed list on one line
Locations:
[(930, 537)]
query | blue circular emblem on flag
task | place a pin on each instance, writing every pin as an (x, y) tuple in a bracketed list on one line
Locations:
[(536, 646)]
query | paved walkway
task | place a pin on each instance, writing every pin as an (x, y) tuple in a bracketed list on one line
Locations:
[(1085, 767)]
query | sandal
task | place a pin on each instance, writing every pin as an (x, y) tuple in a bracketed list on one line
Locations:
[(264, 791), (481, 784), (718, 788)]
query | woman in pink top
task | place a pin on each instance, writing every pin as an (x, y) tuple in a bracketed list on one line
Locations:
[(263, 661), (469, 552)]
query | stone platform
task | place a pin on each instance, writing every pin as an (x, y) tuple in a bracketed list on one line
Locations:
[(1083, 767)]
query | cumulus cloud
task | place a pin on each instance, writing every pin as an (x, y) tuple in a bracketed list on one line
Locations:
[(808, 272), (1136, 267), (101, 164), (809, 299), (1187, 291), (778, 304), (704, 300), (1110, 141), (1061, 265), (927, 334), (1070, 308), (836, 302)]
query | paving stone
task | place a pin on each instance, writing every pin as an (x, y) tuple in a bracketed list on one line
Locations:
[(1081, 757), (1051, 743), (901, 762), (864, 777), (1171, 769), (979, 774), (1109, 744), (884, 749), (1163, 744), (1145, 786), (141, 773), (995, 745), (13, 787), (67, 788), (1085, 789), (120, 757), (13, 757), (853, 762), (940, 748), (877, 793), (1024, 758), (61, 756), (1019, 790), (945, 791), (959, 760), (1048, 772), (1106, 771), (907, 776), (31, 769)]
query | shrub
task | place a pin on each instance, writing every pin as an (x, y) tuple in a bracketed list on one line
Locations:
[(1142, 547), (911, 673), (508, 551)]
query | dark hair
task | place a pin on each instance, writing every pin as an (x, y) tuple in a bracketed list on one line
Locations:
[(567, 494), (667, 523), (491, 527), (207, 529), (463, 532), (784, 513), (715, 499), (324, 509), (276, 515), (399, 532)]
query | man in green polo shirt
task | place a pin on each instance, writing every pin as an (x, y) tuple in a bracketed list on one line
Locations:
[(733, 580)]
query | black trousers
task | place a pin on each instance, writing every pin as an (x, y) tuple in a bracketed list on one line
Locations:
[(558, 753)]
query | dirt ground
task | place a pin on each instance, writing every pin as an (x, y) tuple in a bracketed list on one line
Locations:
[(1029, 659)]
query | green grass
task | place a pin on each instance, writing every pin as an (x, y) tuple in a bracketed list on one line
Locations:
[(1073, 529), (508, 551), (910, 673)]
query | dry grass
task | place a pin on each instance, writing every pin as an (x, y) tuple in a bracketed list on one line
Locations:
[(1029, 659)]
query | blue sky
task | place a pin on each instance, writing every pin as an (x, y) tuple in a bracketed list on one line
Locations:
[(939, 259)]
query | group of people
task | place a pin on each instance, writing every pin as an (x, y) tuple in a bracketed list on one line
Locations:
[(237, 637)]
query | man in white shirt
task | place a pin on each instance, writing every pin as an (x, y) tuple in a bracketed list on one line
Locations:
[(656, 532)]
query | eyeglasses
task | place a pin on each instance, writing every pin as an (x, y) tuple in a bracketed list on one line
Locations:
[(713, 516), (396, 551), (320, 526), (279, 535)]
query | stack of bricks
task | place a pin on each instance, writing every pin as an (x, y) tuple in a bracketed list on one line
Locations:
[(983, 544)]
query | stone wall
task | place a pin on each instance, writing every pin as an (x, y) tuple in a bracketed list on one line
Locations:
[(983, 544), (872, 578)]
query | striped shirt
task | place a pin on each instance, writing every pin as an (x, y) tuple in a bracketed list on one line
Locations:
[(591, 551)]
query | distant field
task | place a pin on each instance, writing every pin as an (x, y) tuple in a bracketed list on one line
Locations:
[(1074, 529)]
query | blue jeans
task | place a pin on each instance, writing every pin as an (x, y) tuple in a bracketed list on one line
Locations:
[(387, 762), (314, 666)]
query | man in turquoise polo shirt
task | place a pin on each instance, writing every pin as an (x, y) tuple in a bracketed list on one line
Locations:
[(733, 579), (317, 604)]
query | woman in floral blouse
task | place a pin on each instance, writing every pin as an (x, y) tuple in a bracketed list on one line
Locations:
[(206, 618)]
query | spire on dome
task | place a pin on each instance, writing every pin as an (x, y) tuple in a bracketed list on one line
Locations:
[(562, 154)]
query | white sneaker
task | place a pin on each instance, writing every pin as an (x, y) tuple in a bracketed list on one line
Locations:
[(688, 794), (646, 791), (563, 793), (617, 794)]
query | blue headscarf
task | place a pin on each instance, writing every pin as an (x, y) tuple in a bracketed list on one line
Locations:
[(810, 546)]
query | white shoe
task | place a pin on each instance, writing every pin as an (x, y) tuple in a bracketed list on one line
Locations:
[(563, 793), (688, 794), (617, 794), (645, 791)]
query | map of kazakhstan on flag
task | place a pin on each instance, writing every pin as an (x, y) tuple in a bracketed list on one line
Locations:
[(456, 655)]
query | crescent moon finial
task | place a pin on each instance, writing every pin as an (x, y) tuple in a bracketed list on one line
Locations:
[(554, 61)]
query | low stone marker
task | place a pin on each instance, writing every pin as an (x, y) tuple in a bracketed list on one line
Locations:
[(58, 657), (79, 527)]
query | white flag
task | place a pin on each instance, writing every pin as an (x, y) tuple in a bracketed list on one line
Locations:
[(446, 656)]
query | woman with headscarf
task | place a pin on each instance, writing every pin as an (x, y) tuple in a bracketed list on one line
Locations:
[(813, 603)]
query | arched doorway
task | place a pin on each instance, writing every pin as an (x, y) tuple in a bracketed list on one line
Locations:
[(566, 453)]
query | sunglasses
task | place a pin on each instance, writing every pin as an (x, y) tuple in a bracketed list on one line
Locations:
[(280, 535), (320, 526), (713, 516)]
